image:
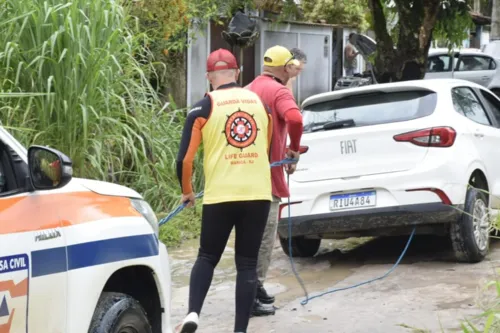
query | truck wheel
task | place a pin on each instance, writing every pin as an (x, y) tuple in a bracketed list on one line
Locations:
[(301, 247), (119, 313), (470, 232)]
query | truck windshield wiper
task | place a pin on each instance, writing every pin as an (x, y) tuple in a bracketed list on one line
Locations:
[(335, 125)]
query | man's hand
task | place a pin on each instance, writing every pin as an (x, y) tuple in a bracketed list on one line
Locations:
[(290, 168), (189, 199)]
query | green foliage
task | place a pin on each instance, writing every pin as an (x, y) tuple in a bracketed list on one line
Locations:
[(405, 31), (98, 107), (453, 23), (348, 12), (183, 227), (490, 318), (168, 23)]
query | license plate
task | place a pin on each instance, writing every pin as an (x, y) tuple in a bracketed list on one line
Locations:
[(353, 200)]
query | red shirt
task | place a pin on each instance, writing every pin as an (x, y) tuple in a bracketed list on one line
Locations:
[(287, 119)]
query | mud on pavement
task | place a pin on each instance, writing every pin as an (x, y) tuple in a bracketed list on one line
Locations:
[(428, 291)]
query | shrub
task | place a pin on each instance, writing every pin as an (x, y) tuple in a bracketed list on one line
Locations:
[(100, 108)]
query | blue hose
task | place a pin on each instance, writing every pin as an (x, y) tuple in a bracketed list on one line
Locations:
[(292, 262), (199, 195), (301, 282)]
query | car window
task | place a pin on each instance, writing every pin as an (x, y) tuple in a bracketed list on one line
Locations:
[(468, 63), (374, 108), (438, 64), (467, 104), (493, 103)]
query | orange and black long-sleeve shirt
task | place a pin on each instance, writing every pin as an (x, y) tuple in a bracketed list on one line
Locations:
[(235, 129)]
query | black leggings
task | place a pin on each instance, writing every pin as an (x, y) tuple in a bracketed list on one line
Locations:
[(249, 219)]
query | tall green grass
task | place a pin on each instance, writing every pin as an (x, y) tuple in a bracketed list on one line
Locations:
[(101, 109)]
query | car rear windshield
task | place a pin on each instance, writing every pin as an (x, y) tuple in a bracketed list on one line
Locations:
[(370, 109)]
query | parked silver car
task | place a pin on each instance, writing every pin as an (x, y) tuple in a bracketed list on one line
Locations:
[(466, 64)]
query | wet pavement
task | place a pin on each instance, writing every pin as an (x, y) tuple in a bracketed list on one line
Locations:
[(427, 292)]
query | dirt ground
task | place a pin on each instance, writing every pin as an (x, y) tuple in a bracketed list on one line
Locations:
[(427, 292)]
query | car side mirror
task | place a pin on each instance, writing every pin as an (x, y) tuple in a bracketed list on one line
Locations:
[(49, 168)]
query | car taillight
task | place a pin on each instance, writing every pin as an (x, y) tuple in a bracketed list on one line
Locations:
[(440, 193), (429, 137), (302, 149)]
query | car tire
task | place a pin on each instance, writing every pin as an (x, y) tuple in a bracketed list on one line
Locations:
[(301, 246), (469, 246), (119, 313)]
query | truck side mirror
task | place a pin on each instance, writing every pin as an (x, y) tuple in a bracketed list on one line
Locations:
[(49, 168)]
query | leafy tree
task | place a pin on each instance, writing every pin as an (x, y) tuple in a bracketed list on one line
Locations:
[(404, 29), (402, 55), (351, 12)]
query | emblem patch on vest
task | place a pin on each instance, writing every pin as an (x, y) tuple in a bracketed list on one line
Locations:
[(240, 130)]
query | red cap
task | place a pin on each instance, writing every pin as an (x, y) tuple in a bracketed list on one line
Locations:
[(221, 55)]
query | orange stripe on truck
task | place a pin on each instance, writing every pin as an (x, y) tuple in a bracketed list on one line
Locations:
[(15, 290), (34, 212), (5, 328)]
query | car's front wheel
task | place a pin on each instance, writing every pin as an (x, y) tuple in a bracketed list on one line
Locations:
[(119, 313), (470, 233), (301, 246)]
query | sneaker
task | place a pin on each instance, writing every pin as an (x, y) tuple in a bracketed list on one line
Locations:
[(190, 323), (262, 294)]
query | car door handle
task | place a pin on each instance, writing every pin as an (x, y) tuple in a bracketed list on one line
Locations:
[(478, 135), (485, 78)]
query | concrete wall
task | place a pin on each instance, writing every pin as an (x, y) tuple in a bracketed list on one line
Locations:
[(314, 40)]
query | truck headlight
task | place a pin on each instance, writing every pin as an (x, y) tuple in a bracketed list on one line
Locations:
[(147, 212)]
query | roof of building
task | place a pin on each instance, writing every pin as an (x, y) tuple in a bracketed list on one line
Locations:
[(318, 24), (479, 18)]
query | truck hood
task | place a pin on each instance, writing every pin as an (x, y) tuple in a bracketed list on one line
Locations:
[(105, 188)]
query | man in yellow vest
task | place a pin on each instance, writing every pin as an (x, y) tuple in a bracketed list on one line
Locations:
[(235, 129)]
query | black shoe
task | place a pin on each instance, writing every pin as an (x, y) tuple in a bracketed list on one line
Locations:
[(262, 294), (260, 309)]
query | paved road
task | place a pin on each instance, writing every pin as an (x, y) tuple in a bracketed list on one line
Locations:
[(428, 291)]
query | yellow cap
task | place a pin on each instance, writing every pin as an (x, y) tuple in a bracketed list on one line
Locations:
[(279, 56)]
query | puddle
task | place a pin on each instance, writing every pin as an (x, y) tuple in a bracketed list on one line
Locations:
[(427, 278), (280, 281)]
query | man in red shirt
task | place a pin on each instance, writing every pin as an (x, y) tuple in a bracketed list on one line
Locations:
[(270, 86)]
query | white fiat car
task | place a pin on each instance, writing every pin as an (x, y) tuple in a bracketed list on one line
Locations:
[(382, 159)]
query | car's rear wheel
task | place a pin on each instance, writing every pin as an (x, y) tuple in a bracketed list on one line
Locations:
[(301, 246), (119, 313), (470, 233)]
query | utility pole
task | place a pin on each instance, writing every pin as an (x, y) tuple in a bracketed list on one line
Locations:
[(495, 20)]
